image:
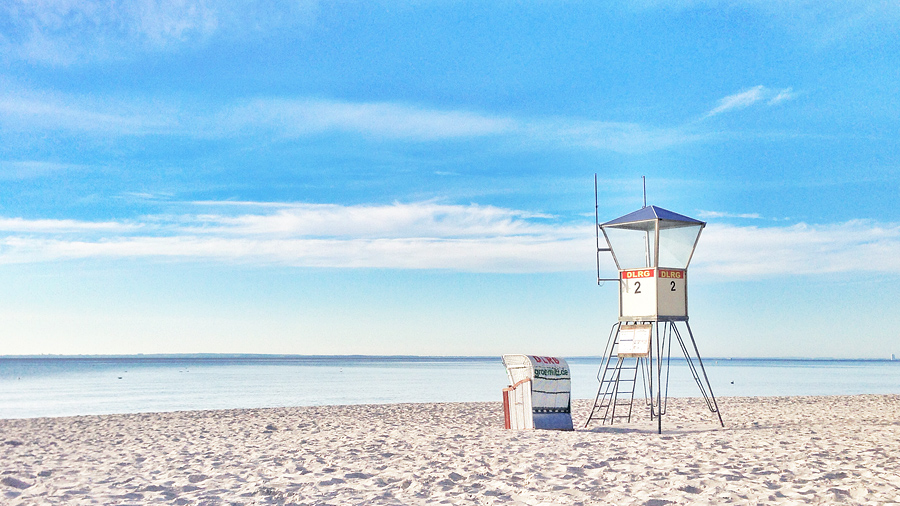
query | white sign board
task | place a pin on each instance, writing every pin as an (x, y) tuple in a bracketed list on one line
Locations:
[(634, 340)]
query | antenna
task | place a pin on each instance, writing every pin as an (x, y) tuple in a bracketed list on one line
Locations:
[(597, 235), (644, 181), (597, 225)]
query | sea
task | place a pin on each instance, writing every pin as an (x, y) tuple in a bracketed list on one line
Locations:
[(53, 386)]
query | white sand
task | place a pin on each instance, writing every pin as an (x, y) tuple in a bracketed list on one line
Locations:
[(787, 450)]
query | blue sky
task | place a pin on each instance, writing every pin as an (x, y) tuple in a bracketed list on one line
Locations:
[(417, 177)]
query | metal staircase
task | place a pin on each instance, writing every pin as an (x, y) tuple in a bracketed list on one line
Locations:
[(615, 397)]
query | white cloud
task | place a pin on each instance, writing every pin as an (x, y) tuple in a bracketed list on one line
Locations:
[(424, 219), (27, 169), (822, 22), (782, 96), (740, 100), (66, 32), (749, 97), (63, 226), (620, 137), (298, 117), (62, 32), (427, 235), (718, 214), (502, 254), (406, 236), (33, 111), (827, 22), (242, 203), (30, 111), (749, 252)]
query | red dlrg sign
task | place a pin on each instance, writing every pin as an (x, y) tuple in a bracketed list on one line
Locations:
[(638, 273)]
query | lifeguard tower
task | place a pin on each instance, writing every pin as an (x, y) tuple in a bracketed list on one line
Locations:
[(652, 248)]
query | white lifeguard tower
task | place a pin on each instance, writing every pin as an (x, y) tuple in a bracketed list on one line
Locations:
[(652, 248)]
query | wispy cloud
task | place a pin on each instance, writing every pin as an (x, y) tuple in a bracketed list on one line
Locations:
[(45, 226), (749, 97), (298, 117), (39, 112), (820, 23), (619, 137), (783, 96), (718, 214), (26, 111), (29, 111), (429, 235), (291, 118), (423, 219), (66, 32), (63, 32), (27, 169), (740, 100)]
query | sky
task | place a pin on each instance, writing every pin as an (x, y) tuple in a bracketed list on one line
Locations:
[(416, 178)]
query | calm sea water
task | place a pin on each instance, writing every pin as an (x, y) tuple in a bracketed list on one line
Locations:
[(62, 386)]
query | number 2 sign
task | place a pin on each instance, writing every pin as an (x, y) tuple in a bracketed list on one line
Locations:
[(652, 294)]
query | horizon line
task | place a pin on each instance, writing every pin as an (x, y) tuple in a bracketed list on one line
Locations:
[(204, 355)]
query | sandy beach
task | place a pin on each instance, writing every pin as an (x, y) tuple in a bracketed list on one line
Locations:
[(774, 450)]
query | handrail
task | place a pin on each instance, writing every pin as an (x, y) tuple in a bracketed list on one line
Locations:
[(513, 387)]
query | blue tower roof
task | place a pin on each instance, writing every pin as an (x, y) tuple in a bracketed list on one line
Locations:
[(653, 213)]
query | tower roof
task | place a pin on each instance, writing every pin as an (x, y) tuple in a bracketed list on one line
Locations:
[(653, 213)]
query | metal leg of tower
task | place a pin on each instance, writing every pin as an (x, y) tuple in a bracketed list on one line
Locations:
[(659, 350), (710, 399)]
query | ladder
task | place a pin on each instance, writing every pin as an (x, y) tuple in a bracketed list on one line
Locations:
[(615, 397)]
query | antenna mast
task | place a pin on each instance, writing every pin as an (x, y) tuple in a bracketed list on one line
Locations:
[(644, 181), (597, 235), (597, 225)]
